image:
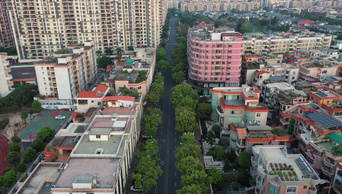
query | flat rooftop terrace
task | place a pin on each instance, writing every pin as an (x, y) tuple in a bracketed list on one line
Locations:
[(44, 172), (103, 168), (114, 146), (119, 111)]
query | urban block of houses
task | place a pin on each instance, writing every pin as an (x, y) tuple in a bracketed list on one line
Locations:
[(90, 99), (138, 71), (236, 105)]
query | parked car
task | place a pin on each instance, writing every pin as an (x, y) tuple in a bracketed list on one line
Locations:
[(133, 188), (60, 117)]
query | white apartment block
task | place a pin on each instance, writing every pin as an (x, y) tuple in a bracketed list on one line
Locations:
[(43, 27), (61, 78), (5, 76), (281, 42)]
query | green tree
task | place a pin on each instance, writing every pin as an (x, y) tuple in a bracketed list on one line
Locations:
[(215, 175), (178, 67), (198, 177), (109, 51), (224, 142), (219, 152), (189, 163), (162, 66), (21, 167), (36, 104), (151, 131), (193, 188), (161, 54), (159, 79), (46, 134), (38, 144), (119, 50), (157, 88), (16, 139), (129, 92), (184, 95), (211, 137), (244, 159), (188, 138), (150, 148), (29, 155), (153, 97), (186, 120), (217, 129), (98, 52), (181, 40), (147, 173), (10, 178), (188, 150), (178, 76), (152, 118), (204, 110), (13, 158), (14, 147), (103, 61), (24, 116)]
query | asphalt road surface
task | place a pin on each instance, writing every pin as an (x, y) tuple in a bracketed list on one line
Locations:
[(168, 137)]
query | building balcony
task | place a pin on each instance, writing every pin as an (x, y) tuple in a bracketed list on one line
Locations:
[(327, 163), (220, 110), (284, 122), (326, 171)]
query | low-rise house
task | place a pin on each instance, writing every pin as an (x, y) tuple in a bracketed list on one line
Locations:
[(237, 104), (90, 99), (337, 183), (276, 171), (244, 138), (319, 69)]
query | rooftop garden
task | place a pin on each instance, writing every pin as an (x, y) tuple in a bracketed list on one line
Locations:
[(142, 76), (61, 51), (279, 132), (253, 66), (283, 170)]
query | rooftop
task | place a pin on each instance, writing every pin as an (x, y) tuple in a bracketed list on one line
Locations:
[(325, 120), (326, 94), (23, 72), (97, 92), (103, 168), (279, 155), (44, 171), (114, 146)]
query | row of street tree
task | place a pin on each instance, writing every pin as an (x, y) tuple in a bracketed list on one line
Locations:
[(19, 159)]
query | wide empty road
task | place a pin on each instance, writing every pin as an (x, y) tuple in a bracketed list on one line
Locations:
[(168, 137)]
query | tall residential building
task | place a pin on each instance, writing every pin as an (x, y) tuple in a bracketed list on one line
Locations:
[(282, 42), (5, 76), (41, 28), (214, 58), (6, 34), (61, 78), (194, 6)]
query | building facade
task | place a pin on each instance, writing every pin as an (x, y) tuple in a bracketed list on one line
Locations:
[(61, 78), (194, 6), (6, 34), (283, 42), (42, 28), (5, 76), (237, 105), (214, 58)]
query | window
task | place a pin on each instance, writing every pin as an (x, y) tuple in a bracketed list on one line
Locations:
[(98, 136), (233, 112), (305, 187), (291, 189), (258, 114)]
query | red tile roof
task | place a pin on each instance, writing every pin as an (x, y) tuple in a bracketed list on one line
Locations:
[(252, 56), (306, 21), (99, 92), (242, 132), (262, 72), (201, 25), (115, 98), (122, 64)]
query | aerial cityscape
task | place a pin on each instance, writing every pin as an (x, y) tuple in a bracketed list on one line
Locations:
[(170, 97)]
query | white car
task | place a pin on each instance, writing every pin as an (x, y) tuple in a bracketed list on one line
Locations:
[(133, 188), (60, 117)]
